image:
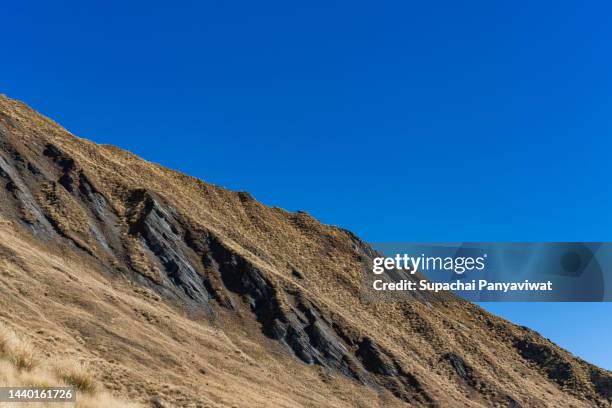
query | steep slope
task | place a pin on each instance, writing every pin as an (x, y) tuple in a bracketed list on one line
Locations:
[(187, 294), (21, 365)]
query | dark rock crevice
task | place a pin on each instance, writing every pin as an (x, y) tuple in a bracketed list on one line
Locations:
[(390, 374), (549, 360), (244, 279), (602, 382), (461, 368), (373, 359), (161, 233), (65, 163)]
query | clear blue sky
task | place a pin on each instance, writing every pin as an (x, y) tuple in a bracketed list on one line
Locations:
[(437, 121)]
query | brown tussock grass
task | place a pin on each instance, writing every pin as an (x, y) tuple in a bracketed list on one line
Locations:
[(20, 353), (22, 366), (75, 374)]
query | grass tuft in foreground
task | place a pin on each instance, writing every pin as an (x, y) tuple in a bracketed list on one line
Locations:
[(22, 366)]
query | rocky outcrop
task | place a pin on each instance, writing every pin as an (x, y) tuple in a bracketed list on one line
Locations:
[(201, 270), (162, 236), (463, 370)]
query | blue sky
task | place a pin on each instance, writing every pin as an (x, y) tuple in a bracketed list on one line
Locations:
[(440, 121)]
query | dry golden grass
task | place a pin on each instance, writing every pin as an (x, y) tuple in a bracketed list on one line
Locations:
[(75, 374), (22, 366), (16, 351)]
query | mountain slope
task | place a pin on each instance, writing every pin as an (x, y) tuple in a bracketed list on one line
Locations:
[(187, 294)]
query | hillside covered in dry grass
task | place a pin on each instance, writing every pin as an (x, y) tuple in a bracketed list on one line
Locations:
[(175, 292), (22, 365)]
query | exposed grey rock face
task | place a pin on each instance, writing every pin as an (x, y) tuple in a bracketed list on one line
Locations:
[(14, 173), (163, 235), (194, 260), (463, 370)]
